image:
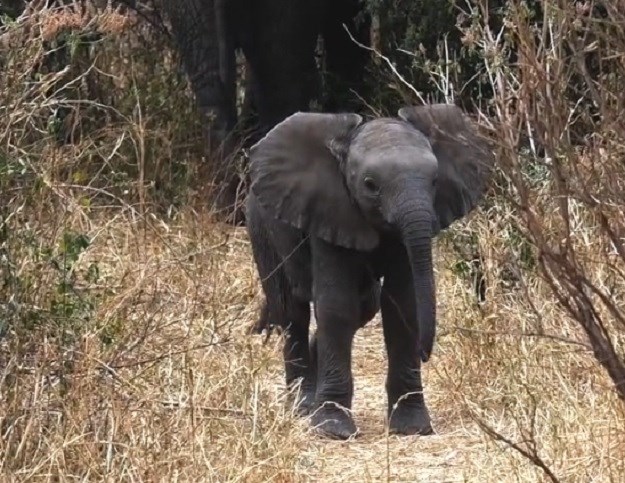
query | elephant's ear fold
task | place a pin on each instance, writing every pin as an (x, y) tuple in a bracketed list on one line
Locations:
[(296, 175), (465, 159)]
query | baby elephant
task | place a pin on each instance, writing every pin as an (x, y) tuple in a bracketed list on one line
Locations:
[(337, 205)]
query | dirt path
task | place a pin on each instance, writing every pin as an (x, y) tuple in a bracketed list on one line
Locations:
[(374, 456)]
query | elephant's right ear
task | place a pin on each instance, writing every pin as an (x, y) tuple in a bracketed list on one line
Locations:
[(465, 159), (297, 177)]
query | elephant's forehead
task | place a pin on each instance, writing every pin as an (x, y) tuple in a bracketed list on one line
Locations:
[(391, 142), (386, 133)]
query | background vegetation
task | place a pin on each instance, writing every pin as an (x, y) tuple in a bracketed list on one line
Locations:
[(124, 308)]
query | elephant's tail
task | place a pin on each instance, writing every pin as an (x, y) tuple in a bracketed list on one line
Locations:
[(273, 312)]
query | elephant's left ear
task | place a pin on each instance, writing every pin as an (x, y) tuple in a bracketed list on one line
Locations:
[(465, 159), (297, 177)]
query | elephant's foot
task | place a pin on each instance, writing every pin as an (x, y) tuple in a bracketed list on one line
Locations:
[(333, 421), (305, 401), (301, 394), (410, 419)]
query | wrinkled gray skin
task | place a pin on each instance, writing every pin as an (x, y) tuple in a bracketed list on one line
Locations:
[(335, 205)]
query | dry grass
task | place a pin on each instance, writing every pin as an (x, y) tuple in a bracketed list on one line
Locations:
[(174, 390), (126, 355), (179, 392)]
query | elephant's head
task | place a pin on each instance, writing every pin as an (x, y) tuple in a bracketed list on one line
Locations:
[(346, 182)]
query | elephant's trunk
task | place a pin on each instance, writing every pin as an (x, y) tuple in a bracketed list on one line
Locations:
[(414, 217)]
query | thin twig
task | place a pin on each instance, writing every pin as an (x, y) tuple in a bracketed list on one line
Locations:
[(167, 355), (389, 63), (531, 456), (524, 334)]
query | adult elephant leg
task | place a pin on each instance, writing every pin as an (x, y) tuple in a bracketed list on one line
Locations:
[(279, 39), (336, 276), (345, 61), (205, 41), (407, 412)]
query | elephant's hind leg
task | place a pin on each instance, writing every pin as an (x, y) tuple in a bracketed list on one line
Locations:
[(299, 366), (292, 316), (283, 309)]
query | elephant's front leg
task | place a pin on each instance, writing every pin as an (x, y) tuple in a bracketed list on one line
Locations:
[(407, 412), (336, 273)]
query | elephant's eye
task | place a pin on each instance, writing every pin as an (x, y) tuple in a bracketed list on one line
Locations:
[(371, 185), (434, 182)]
